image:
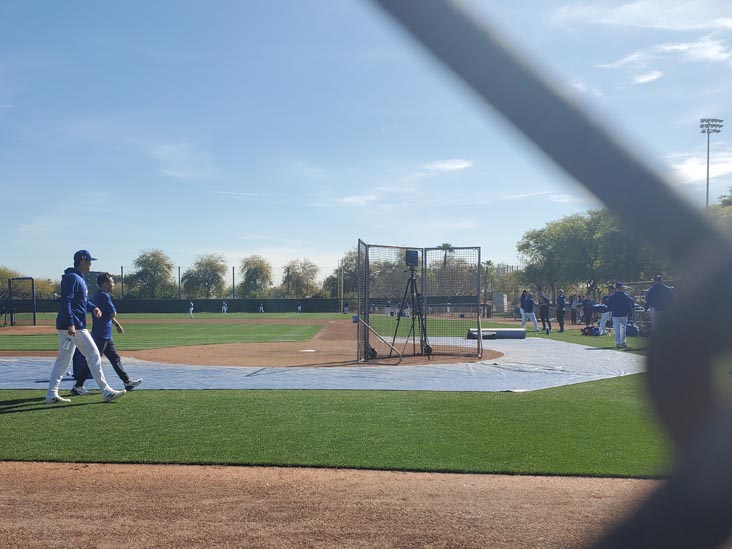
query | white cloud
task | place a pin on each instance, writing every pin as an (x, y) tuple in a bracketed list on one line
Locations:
[(449, 165), (580, 87), (240, 196), (635, 59), (706, 49), (359, 199), (678, 15), (182, 160), (648, 77), (691, 167), (5, 106), (703, 50)]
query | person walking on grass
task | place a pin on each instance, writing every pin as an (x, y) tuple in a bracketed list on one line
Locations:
[(621, 306), (73, 305), (546, 323), (102, 336), (529, 311), (522, 301), (561, 305)]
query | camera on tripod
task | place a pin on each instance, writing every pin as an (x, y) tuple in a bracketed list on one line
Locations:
[(411, 258)]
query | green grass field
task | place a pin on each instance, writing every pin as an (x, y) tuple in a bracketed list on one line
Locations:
[(601, 428)]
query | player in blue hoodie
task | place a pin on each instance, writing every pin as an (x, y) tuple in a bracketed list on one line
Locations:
[(72, 333)]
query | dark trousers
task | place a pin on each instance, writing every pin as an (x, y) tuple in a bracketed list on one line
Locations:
[(573, 315), (544, 317), (560, 319), (106, 348)]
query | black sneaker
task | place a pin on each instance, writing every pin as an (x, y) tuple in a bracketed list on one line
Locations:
[(132, 383)]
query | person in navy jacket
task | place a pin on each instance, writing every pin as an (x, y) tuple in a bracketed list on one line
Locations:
[(561, 305), (658, 299), (73, 305), (621, 306), (529, 313)]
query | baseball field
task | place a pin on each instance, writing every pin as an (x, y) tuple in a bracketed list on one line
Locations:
[(313, 468)]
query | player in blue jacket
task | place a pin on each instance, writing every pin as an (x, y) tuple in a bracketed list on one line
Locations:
[(72, 333), (658, 299), (621, 306), (102, 336)]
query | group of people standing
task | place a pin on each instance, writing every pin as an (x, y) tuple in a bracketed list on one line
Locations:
[(617, 305)]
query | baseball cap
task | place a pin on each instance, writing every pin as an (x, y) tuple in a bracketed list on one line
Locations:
[(85, 255), (658, 278), (618, 284)]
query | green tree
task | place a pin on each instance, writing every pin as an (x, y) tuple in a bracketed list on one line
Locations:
[(206, 278), (153, 277), (299, 278), (256, 275), (726, 199), (587, 250)]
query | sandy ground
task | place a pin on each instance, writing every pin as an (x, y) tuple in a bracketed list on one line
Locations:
[(104, 505), (92, 505)]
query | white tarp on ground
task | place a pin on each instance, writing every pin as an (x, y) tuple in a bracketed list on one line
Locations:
[(527, 365)]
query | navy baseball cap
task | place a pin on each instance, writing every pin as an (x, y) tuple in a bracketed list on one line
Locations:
[(85, 255), (658, 278), (618, 284)]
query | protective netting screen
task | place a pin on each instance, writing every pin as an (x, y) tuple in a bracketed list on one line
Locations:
[(414, 301), (19, 307)]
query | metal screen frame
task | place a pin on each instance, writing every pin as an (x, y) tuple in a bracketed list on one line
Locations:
[(449, 332)]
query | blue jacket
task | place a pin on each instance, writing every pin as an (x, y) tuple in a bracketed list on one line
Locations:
[(620, 304), (102, 326), (529, 304), (73, 303), (561, 303), (660, 297)]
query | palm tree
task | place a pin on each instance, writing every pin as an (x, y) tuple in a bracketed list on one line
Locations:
[(448, 248)]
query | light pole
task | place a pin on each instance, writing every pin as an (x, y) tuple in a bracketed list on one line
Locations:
[(710, 126)]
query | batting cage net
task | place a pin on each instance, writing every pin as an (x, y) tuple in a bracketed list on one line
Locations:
[(19, 306), (417, 301)]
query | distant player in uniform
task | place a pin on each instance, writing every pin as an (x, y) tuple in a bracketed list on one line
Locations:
[(658, 299), (102, 336), (73, 305), (190, 310), (621, 306), (224, 308), (261, 307), (299, 307)]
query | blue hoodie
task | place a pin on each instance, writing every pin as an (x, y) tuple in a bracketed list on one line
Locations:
[(620, 304), (73, 303)]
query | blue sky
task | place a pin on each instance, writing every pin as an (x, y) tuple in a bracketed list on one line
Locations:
[(291, 128)]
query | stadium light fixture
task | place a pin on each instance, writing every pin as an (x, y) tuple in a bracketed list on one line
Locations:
[(710, 126)]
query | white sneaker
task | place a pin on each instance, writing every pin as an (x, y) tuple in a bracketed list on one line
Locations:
[(112, 395), (56, 399), (78, 391)]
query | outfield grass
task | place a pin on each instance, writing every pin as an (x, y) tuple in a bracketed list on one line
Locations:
[(600, 428), (153, 336), (51, 317)]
